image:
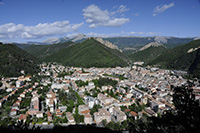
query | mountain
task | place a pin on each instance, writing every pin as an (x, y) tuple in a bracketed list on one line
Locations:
[(134, 41), (77, 38), (148, 53), (152, 44), (184, 57), (89, 53), (42, 51), (14, 59)]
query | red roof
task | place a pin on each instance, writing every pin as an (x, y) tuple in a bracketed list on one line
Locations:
[(13, 110), (22, 117), (127, 110), (133, 113), (85, 112), (48, 113)]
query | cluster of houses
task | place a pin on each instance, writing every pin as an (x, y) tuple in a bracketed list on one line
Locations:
[(141, 85), (16, 106)]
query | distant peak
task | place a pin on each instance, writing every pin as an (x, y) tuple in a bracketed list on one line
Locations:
[(78, 37), (152, 44), (160, 39)]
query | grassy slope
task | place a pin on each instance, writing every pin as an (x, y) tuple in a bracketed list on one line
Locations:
[(88, 54)]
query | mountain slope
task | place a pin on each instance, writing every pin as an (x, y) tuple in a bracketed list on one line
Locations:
[(148, 53), (181, 57), (14, 59), (42, 51), (89, 53)]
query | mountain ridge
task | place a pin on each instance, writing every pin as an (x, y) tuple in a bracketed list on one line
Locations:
[(89, 53)]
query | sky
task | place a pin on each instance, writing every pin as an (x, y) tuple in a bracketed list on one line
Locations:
[(38, 20)]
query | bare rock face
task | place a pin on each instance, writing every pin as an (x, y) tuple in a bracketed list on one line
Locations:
[(193, 49), (152, 44), (107, 43)]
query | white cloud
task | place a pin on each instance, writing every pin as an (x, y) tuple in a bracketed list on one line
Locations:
[(1, 3), (97, 17), (11, 30), (120, 9), (162, 8)]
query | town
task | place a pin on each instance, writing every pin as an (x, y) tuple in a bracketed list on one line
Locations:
[(72, 95)]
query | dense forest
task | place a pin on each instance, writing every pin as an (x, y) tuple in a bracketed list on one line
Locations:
[(14, 59)]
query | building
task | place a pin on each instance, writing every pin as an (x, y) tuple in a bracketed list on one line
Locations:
[(118, 115), (22, 117), (88, 119), (49, 116), (39, 114), (102, 114), (133, 114), (13, 112), (83, 109), (70, 118)]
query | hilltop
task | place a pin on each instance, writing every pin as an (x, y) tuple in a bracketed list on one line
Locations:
[(14, 59), (89, 53), (148, 53)]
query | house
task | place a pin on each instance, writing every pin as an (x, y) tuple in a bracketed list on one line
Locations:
[(90, 101), (129, 95), (19, 83), (49, 116), (62, 108), (83, 109), (102, 114), (13, 112), (150, 112), (70, 118), (15, 106), (39, 114), (57, 86), (88, 119), (22, 95), (104, 100), (90, 84), (144, 100), (22, 117), (34, 105), (9, 89), (155, 105), (85, 112), (51, 100), (133, 114), (57, 110), (59, 114), (104, 88)]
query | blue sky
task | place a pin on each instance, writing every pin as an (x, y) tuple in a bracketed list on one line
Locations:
[(37, 20)]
